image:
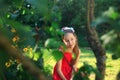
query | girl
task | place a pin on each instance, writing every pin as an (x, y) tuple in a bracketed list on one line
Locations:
[(65, 66)]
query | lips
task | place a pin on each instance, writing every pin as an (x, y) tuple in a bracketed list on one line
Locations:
[(71, 46)]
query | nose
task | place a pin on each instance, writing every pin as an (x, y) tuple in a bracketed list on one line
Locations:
[(70, 42)]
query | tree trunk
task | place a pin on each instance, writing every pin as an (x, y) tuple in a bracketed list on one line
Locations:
[(94, 42)]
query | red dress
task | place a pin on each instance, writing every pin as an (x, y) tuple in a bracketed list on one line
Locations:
[(65, 67)]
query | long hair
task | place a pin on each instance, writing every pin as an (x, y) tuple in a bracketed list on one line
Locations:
[(76, 49)]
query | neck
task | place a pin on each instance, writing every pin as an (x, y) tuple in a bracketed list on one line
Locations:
[(69, 50)]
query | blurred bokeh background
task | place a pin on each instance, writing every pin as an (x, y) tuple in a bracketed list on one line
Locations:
[(30, 31)]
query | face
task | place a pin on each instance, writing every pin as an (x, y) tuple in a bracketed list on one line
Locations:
[(70, 40)]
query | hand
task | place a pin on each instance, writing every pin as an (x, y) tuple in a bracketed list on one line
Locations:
[(61, 49), (75, 69), (64, 78), (83, 74), (71, 79)]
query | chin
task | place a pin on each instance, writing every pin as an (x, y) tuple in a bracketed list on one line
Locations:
[(71, 47)]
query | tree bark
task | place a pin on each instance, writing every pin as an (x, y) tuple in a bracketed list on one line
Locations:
[(94, 42), (16, 53)]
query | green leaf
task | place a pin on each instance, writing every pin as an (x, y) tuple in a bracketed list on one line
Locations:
[(24, 33), (52, 43), (98, 21), (108, 38), (111, 13), (3, 59)]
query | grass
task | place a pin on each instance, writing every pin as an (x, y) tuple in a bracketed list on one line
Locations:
[(112, 66)]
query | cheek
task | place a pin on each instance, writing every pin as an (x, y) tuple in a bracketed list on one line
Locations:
[(74, 42)]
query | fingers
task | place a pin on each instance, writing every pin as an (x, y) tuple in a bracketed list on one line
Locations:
[(75, 68), (61, 49), (64, 42)]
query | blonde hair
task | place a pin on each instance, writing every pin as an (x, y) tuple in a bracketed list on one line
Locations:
[(76, 49)]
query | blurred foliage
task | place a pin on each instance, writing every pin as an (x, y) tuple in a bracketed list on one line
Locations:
[(24, 23), (15, 71), (111, 38), (3, 59), (51, 43), (84, 72), (74, 13), (29, 22), (18, 34)]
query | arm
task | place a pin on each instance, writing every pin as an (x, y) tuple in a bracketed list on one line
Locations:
[(59, 65)]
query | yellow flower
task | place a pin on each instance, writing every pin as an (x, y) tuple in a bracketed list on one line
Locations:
[(7, 64), (13, 30), (16, 38), (25, 49)]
